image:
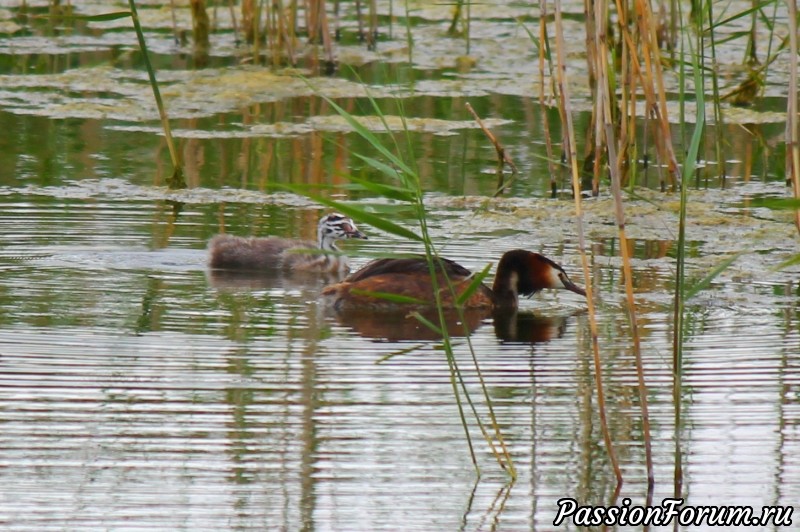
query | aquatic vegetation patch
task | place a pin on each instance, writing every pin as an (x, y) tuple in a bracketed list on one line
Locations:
[(716, 221), (399, 123)]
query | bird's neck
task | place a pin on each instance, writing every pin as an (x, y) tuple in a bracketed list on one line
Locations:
[(505, 288), (326, 243)]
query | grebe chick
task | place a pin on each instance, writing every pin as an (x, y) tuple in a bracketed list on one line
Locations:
[(273, 253), (519, 272)]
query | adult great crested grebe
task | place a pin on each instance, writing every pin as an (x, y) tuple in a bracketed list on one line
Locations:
[(519, 272)]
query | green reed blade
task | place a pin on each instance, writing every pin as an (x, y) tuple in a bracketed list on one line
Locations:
[(389, 296), (385, 191), (703, 283), (776, 203), (427, 323), (393, 173), (785, 264), (531, 36), (370, 137), (477, 279), (361, 215), (177, 180), (732, 37), (410, 188), (739, 15), (102, 17)]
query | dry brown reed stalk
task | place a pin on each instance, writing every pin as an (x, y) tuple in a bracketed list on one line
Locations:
[(452, 30), (604, 106), (544, 55), (271, 33), (248, 18), (360, 21), (594, 147), (281, 32), (652, 81), (200, 29), (200, 22), (371, 35), (234, 23), (318, 27), (792, 146), (254, 31), (290, 28), (626, 144), (372, 39), (561, 73), (503, 157), (174, 21), (556, 92)]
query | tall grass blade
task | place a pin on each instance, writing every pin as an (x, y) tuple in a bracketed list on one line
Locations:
[(388, 171), (368, 218), (776, 203), (794, 261), (390, 297), (361, 215), (379, 189), (370, 137), (102, 17), (427, 323), (177, 180), (531, 36), (410, 183), (704, 283), (737, 16), (792, 125), (476, 281), (719, 117), (690, 165)]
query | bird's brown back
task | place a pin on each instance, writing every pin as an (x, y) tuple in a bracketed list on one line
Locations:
[(235, 252), (409, 266), (408, 278)]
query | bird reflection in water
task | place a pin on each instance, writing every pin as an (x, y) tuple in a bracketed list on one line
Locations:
[(239, 281), (509, 326)]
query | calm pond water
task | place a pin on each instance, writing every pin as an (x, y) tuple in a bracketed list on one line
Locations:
[(139, 390)]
